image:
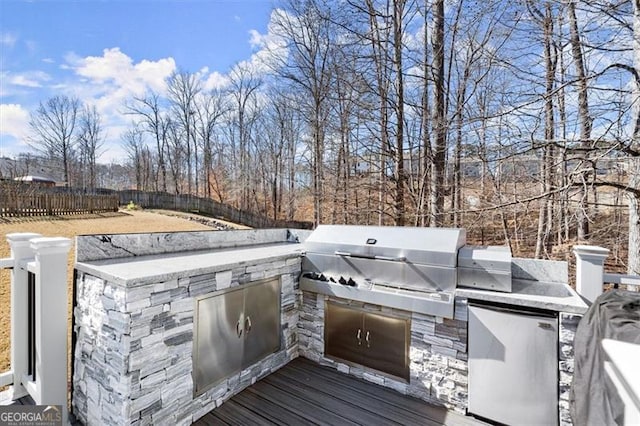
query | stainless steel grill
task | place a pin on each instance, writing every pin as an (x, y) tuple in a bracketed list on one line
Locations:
[(415, 269)]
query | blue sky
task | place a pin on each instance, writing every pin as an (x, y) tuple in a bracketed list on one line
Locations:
[(105, 51)]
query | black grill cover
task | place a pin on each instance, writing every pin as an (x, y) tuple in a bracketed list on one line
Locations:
[(614, 315)]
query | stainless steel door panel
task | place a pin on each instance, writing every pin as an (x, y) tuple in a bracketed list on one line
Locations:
[(386, 342), (406, 275), (219, 338), (343, 332), (513, 366), (261, 321)]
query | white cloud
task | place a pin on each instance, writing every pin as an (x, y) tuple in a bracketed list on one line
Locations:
[(108, 81), (8, 39), (118, 68), (256, 39), (14, 121), (29, 79), (216, 81), (48, 60), (271, 47)]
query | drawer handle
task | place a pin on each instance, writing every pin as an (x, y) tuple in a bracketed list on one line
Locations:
[(368, 340), (247, 324), (358, 336), (238, 329), (545, 326)]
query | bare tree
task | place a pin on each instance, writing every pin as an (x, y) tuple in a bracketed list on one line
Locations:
[(210, 107), (138, 153), (244, 85), (439, 117), (52, 128), (183, 88), (306, 28), (90, 142), (148, 109), (585, 120), (177, 155), (633, 193)]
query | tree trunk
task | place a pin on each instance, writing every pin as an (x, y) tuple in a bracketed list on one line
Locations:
[(633, 259), (633, 264), (398, 204), (439, 154), (425, 176), (546, 202), (585, 122)]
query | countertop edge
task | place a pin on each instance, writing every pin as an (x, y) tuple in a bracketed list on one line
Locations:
[(572, 306), (95, 270)]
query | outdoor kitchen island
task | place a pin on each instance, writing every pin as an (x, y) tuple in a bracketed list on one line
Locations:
[(136, 327), (157, 314)]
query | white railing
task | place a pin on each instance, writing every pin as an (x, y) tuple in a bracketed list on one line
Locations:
[(590, 274), (631, 282), (38, 319)]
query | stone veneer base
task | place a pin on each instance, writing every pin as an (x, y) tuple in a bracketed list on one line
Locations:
[(133, 352), (568, 327), (438, 351)]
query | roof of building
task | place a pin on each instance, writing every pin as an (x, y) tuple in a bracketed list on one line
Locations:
[(31, 178)]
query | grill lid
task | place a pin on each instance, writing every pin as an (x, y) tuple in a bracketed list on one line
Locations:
[(427, 246)]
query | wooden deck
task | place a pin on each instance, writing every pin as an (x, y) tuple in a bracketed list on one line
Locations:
[(305, 393), (25, 400)]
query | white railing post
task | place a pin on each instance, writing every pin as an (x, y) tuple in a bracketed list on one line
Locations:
[(590, 270), (51, 320), (20, 251)]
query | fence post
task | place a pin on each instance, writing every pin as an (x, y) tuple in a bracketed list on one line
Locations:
[(590, 270), (51, 320), (20, 251)]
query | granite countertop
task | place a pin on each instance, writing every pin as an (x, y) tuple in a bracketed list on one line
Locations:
[(534, 294), (139, 270)]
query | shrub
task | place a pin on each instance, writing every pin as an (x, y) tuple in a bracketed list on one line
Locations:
[(132, 206)]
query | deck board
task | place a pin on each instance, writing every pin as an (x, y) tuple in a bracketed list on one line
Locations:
[(232, 413), (380, 412), (267, 409), (301, 406), (306, 393), (5, 399), (377, 395)]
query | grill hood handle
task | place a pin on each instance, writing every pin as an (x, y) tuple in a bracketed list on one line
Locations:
[(389, 258)]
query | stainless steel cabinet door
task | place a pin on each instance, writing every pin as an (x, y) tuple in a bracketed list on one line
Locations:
[(386, 342), (513, 366), (261, 321), (220, 336), (343, 333)]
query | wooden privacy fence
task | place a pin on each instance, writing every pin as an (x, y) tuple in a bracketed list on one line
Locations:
[(51, 204), (189, 203)]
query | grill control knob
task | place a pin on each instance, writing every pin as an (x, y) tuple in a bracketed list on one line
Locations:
[(351, 282), (342, 281)]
